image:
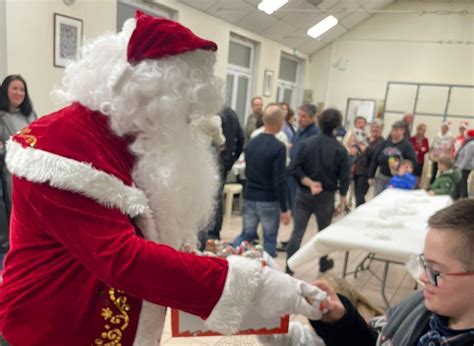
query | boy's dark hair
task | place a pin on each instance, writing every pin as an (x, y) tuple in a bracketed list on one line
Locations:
[(26, 107), (458, 218), (330, 120)]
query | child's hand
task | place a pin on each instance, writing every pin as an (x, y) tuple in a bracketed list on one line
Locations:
[(431, 193), (333, 309)]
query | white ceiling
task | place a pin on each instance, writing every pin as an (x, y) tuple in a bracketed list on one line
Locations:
[(289, 24)]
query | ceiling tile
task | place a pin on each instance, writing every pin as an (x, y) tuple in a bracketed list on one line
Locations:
[(230, 11), (354, 19), (257, 22), (377, 4), (295, 39), (334, 33), (201, 5), (278, 30), (327, 5)]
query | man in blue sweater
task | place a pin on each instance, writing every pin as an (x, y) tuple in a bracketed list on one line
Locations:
[(265, 197)]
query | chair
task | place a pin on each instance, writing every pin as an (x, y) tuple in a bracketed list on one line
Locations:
[(230, 190)]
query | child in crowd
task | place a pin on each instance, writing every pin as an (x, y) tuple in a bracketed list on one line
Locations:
[(447, 179), (404, 179)]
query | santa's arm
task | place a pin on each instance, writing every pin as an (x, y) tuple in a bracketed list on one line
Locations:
[(105, 242)]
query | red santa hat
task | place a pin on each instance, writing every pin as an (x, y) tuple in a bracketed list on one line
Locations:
[(154, 38), (470, 133)]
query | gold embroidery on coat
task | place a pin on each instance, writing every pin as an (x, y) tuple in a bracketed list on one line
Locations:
[(116, 322), (30, 139)]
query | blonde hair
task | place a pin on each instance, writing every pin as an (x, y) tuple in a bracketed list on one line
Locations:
[(377, 122), (446, 161)]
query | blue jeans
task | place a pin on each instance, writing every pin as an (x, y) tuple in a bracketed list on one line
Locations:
[(266, 213)]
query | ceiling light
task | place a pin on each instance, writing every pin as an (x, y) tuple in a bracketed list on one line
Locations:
[(270, 6), (323, 26)]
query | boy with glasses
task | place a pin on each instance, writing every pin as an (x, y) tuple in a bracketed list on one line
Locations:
[(441, 314)]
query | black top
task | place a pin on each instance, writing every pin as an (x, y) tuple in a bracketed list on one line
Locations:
[(402, 150), (408, 323), (362, 162), (234, 138), (265, 159), (322, 158)]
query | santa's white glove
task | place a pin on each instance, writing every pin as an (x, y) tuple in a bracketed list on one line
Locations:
[(280, 294), (212, 127)]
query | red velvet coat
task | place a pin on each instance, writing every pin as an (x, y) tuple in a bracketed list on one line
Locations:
[(79, 271)]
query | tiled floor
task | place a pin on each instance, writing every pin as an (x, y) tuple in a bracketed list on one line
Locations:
[(399, 283)]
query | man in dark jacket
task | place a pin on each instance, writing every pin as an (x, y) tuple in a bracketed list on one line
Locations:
[(234, 143), (321, 167), (306, 129), (443, 314), (395, 149)]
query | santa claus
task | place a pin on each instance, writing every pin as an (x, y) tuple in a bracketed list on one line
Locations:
[(108, 188)]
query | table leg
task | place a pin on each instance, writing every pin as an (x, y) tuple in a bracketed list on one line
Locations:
[(383, 283), (344, 268)]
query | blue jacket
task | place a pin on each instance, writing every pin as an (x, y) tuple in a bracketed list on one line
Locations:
[(300, 136), (406, 181)]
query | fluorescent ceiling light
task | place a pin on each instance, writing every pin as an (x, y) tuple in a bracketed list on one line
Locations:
[(323, 26), (270, 6)]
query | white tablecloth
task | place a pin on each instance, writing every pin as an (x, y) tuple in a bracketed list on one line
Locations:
[(392, 225)]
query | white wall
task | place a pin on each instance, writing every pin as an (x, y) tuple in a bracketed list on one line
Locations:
[(30, 47), (3, 41), (30, 40), (396, 47), (219, 31)]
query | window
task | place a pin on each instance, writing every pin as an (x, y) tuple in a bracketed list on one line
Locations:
[(287, 79), (239, 76)]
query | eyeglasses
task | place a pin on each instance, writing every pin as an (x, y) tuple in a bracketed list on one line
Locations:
[(433, 275)]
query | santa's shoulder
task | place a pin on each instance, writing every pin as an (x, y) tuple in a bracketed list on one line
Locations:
[(75, 133)]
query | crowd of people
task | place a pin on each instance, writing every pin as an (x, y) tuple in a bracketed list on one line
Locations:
[(320, 162)]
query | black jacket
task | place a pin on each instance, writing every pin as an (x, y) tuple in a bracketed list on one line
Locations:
[(322, 158), (234, 139), (402, 150)]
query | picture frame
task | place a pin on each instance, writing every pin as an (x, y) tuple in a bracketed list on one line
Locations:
[(268, 83), (68, 35)]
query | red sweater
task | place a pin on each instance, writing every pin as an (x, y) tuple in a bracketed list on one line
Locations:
[(421, 148)]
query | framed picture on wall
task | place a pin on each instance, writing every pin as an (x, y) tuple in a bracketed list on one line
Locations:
[(267, 83), (67, 39)]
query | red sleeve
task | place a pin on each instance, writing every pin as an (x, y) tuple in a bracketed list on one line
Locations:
[(426, 145), (105, 242)]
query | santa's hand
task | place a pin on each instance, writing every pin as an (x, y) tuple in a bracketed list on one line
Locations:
[(280, 294)]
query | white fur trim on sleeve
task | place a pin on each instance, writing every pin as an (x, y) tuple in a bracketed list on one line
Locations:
[(40, 166), (243, 278)]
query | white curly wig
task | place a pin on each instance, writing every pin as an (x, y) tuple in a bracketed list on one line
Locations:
[(157, 102)]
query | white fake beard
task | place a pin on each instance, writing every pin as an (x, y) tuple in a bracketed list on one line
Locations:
[(178, 173)]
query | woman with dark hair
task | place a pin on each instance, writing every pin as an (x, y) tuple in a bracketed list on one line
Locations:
[(16, 112), (288, 128)]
